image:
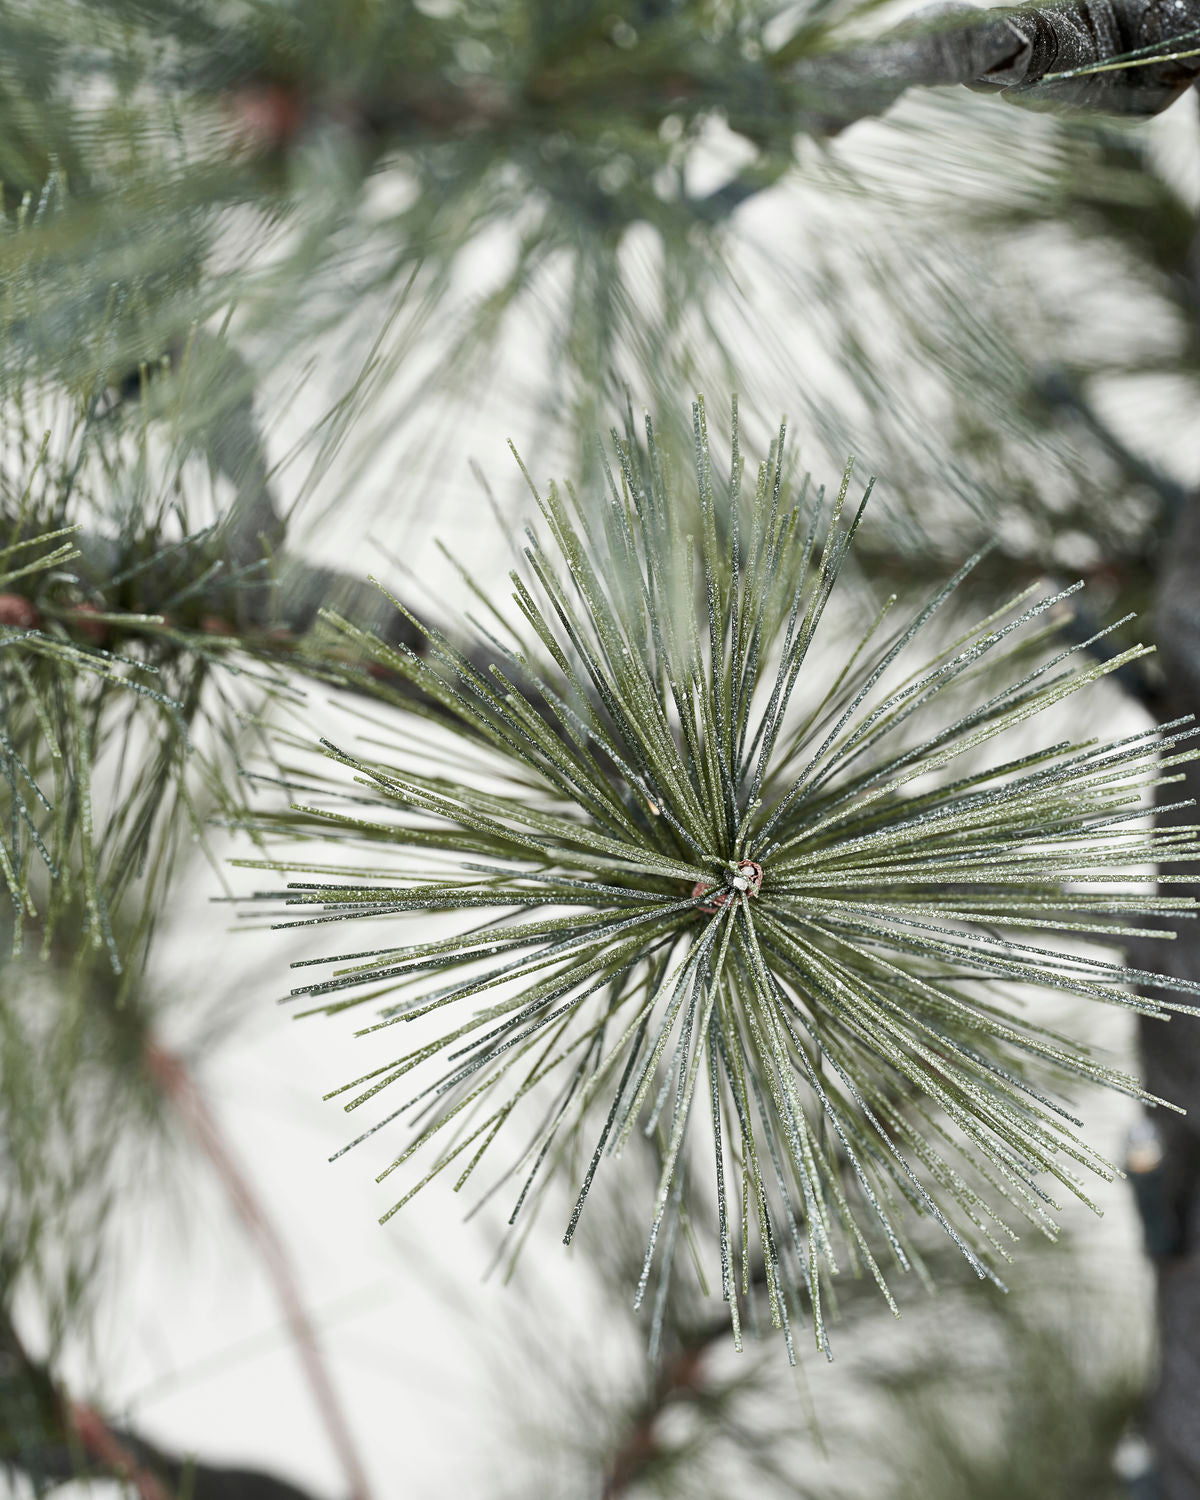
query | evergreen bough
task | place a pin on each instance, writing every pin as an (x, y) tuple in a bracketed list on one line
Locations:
[(716, 856)]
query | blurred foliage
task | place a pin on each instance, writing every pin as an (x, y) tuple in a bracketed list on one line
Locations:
[(568, 196), (1047, 276), (1015, 1398), (120, 698), (144, 135), (76, 1101), (977, 1396)]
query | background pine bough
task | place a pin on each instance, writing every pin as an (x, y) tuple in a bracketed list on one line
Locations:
[(707, 885)]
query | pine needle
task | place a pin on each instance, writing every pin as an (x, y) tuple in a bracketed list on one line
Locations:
[(775, 884)]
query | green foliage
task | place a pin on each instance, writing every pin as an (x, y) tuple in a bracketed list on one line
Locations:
[(716, 850), (76, 1101), (56, 697), (120, 697), (448, 177), (158, 128), (433, 173)]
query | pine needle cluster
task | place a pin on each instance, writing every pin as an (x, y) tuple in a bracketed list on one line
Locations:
[(729, 872), (122, 698)]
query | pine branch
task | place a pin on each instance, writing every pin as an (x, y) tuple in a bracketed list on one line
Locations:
[(98, 1091), (53, 1438), (100, 1443), (102, 631), (692, 894), (679, 1375)]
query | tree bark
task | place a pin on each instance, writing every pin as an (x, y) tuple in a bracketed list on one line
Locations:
[(1171, 1061), (1022, 54)]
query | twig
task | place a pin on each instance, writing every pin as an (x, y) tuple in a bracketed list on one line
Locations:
[(679, 1377), (99, 1441), (1061, 393), (53, 1439), (178, 1085)]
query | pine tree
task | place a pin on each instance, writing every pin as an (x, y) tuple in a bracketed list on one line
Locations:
[(714, 873)]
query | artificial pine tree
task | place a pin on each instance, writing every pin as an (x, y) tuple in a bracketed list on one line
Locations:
[(727, 905)]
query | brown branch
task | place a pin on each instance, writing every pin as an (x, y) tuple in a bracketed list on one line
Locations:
[(180, 1088), (53, 1439), (680, 1377), (99, 1441)]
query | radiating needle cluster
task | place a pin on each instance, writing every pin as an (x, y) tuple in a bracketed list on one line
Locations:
[(760, 884)]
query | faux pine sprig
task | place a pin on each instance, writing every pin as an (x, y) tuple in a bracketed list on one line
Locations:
[(61, 695), (735, 875), (124, 693)]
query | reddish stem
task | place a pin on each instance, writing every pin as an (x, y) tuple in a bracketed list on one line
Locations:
[(99, 1442), (178, 1085), (679, 1378)]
